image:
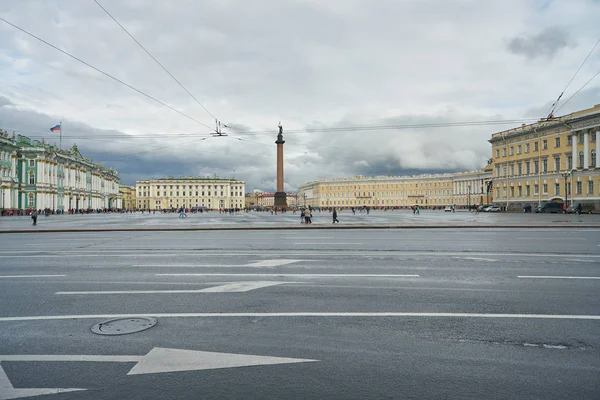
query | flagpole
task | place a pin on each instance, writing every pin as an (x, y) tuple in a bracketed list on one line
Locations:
[(60, 136)]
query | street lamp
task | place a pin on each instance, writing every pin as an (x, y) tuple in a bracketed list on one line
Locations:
[(566, 175), (304, 195)]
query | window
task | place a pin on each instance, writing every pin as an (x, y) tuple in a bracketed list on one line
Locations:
[(497, 153), (512, 169), (504, 152), (569, 189), (557, 142), (590, 187), (536, 167), (569, 161), (504, 170), (580, 139), (526, 147), (593, 158), (557, 188), (593, 138), (570, 140), (545, 165), (519, 149), (31, 163), (579, 187), (544, 144), (520, 191), (497, 170), (528, 190), (527, 167), (511, 151), (581, 159), (512, 191), (31, 178), (520, 168), (545, 188), (535, 146), (556, 163), (536, 189)]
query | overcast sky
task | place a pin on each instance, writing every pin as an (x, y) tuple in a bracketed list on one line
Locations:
[(306, 63)]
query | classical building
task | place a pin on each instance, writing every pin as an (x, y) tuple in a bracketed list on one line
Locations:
[(555, 159), (128, 195), (38, 175), (169, 193), (435, 190)]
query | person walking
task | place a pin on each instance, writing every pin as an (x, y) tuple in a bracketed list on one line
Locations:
[(418, 210), (579, 208), (34, 216), (307, 216), (335, 216), (302, 216)]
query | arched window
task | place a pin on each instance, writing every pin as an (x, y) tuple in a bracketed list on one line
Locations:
[(593, 158), (30, 201), (31, 178), (581, 159)]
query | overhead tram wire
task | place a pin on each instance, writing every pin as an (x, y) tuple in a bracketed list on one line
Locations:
[(551, 111), (104, 73), (579, 90), (155, 60), (323, 130)]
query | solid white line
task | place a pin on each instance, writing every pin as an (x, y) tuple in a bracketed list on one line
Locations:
[(303, 314), (30, 276), (236, 287), (299, 253), (303, 275), (60, 357), (477, 259), (557, 277), (325, 243)]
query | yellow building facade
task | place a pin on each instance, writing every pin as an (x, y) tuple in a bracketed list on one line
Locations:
[(169, 193), (128, 195), (426, 191), (551, 160)]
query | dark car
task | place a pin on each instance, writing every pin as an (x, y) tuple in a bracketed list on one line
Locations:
[(551, 207), (585, 208)]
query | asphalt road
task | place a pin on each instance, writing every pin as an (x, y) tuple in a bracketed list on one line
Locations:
[(368, 314)]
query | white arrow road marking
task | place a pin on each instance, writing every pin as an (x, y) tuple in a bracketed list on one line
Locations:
[(8, 391), (236, 287), (272, 263), (558, 277), (30, 276), (160, 360)]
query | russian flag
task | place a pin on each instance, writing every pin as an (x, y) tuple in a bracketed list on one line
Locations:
[(55, 128)]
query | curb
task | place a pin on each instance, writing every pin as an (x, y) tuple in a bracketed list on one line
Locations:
[(279, 228)]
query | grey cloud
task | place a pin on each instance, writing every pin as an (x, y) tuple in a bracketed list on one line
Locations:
[(545, 44), (5, 102)]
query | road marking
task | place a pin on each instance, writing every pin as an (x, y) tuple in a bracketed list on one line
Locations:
[(8, 391), (298, 253), (160, 360), (236, 287), (476, 259), (304, 275), (548, 239), (305, 314), (580, 260), (557, 277), (271, 263), (327, 243), (30, 276)]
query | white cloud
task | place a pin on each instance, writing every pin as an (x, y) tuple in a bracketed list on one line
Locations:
[(307, 63)]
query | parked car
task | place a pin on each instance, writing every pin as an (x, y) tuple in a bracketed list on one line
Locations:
[(551, 207), (585, 208), (483, 207), (493, 209), (447, 209)]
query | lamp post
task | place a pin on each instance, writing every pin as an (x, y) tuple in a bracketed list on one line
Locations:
[(304, 195), (566, 175)]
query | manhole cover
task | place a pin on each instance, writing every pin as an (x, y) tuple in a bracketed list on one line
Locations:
[(123, 326)]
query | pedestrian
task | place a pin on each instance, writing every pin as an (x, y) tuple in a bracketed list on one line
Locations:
[(579, 208), (335, 217), (418, 210), (307, 217), (302, 216), (34, 216)]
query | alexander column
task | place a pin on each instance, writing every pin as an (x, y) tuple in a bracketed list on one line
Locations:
[(280, 197)]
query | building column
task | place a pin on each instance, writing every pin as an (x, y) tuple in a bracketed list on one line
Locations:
[(598, 149), (574, 151), (586, 159)]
